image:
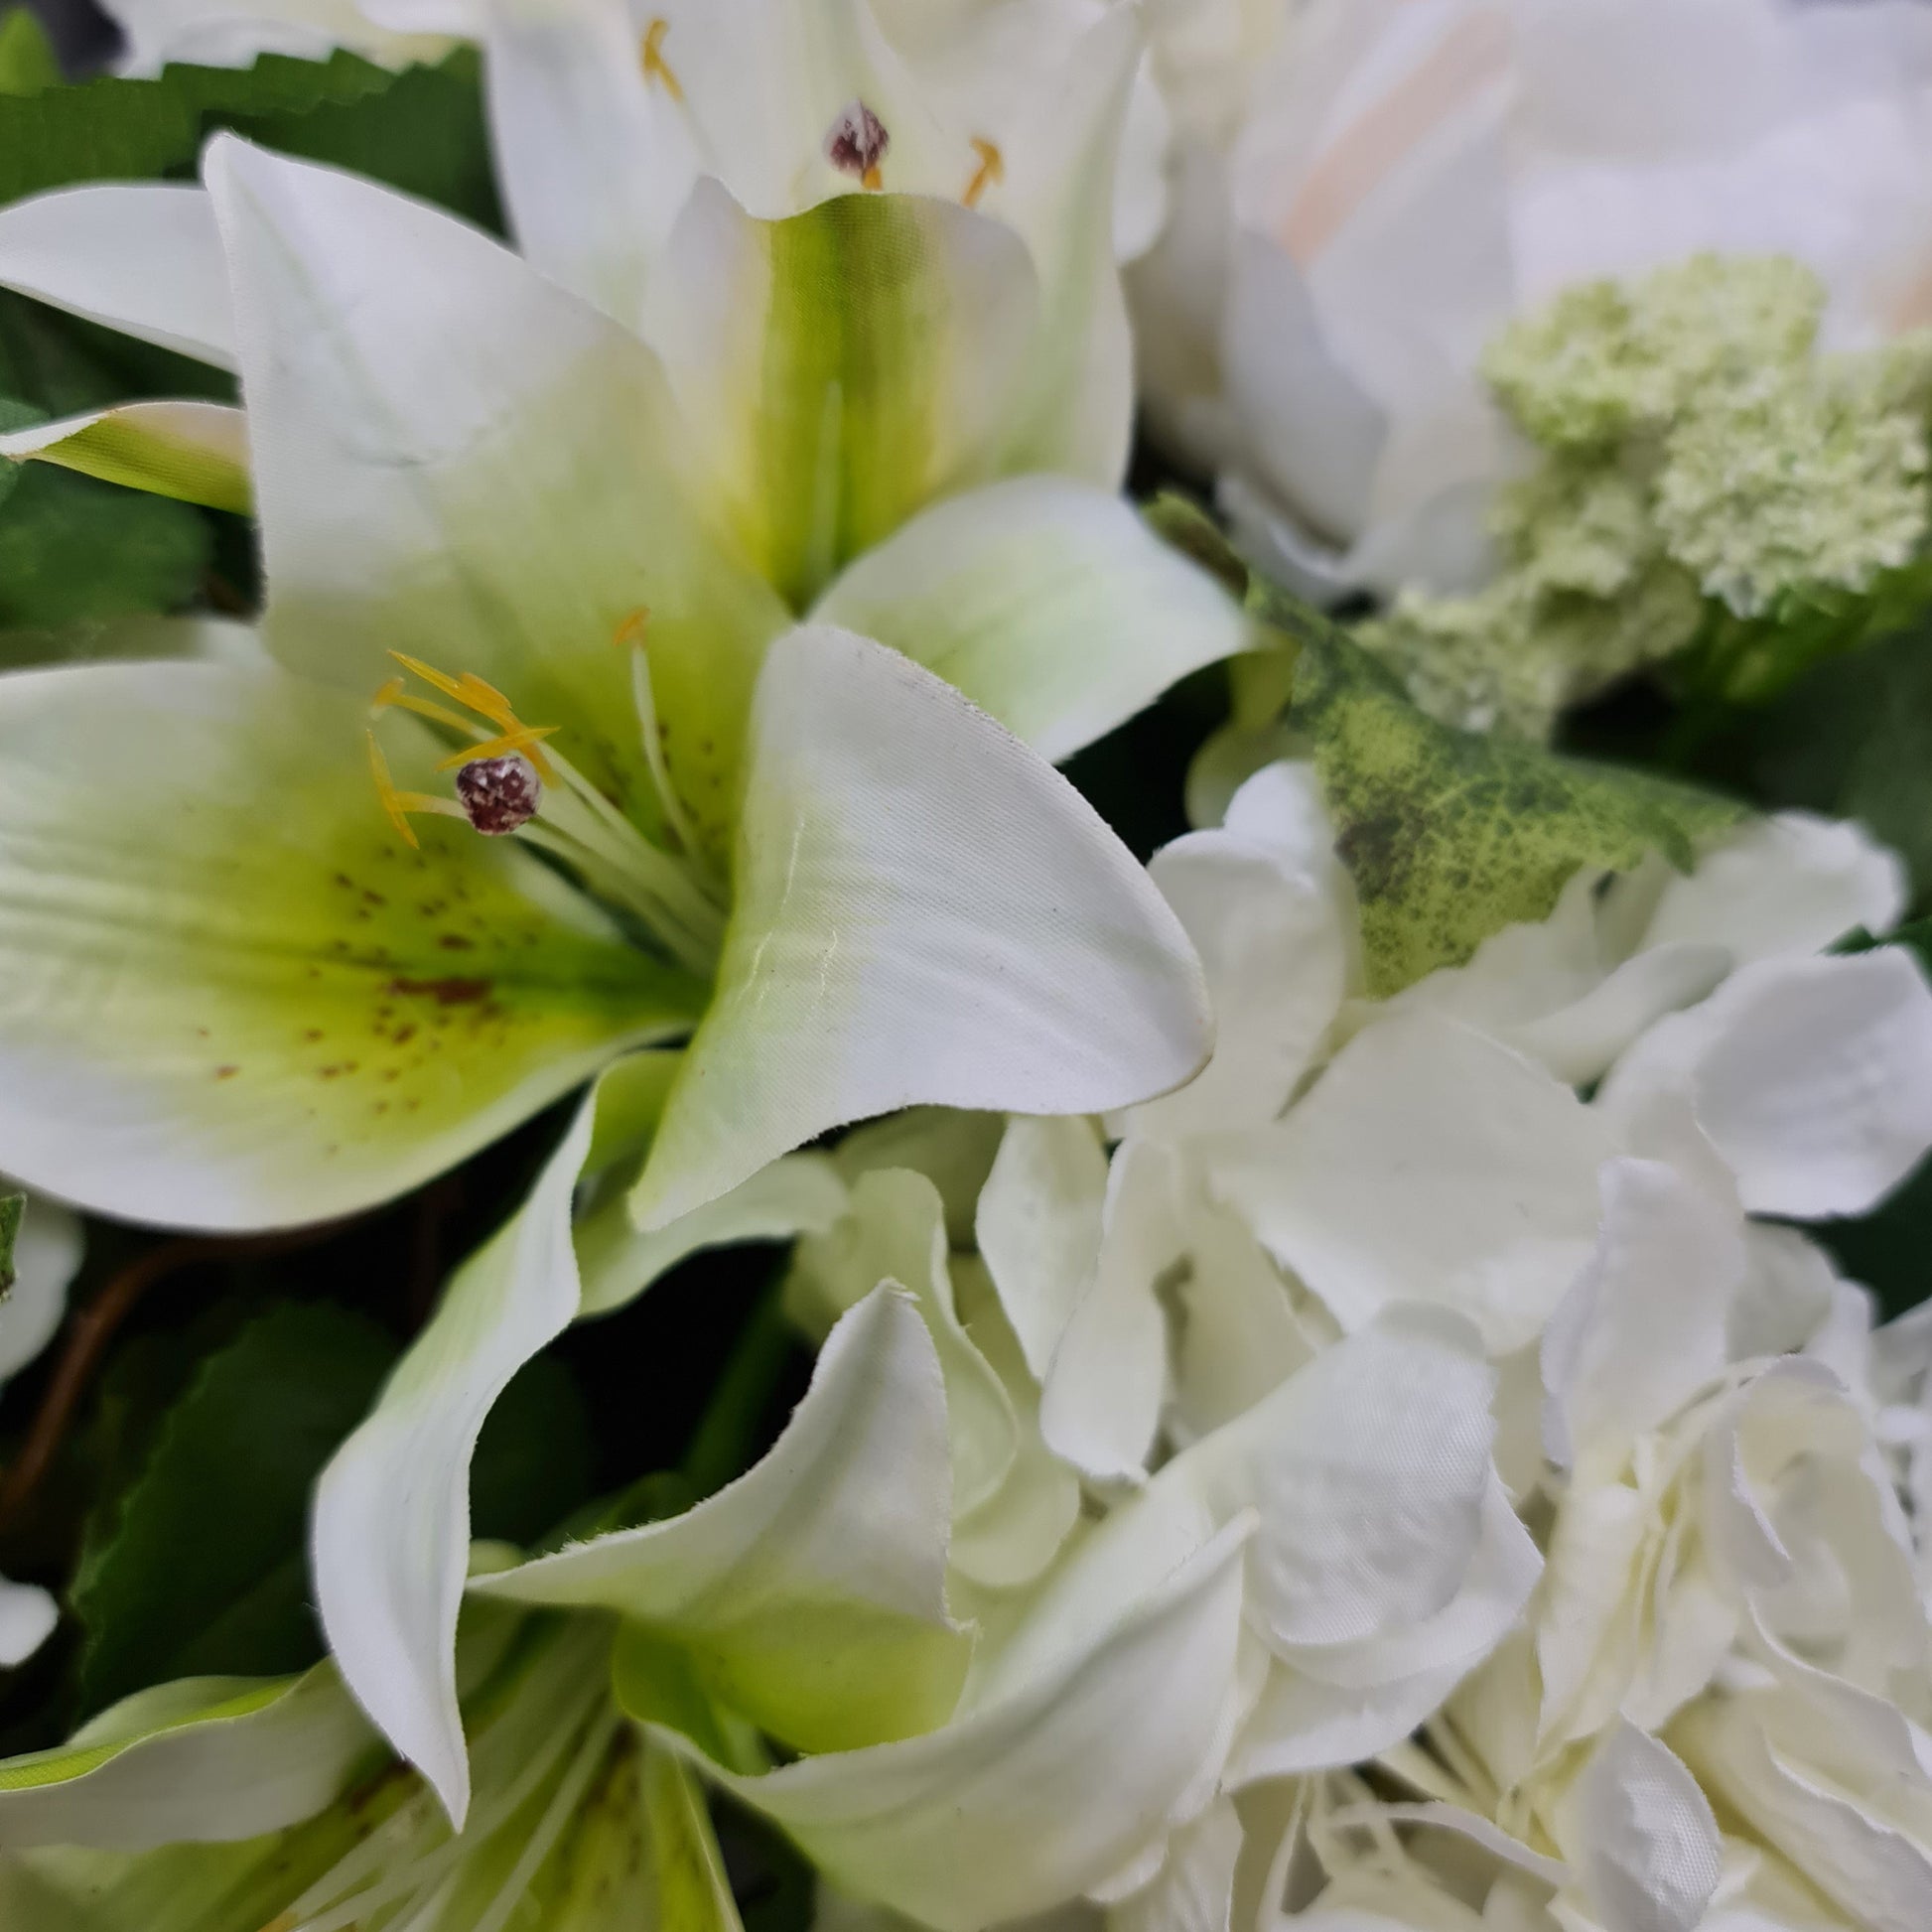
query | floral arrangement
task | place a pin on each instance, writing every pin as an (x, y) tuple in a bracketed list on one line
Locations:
[(1176, 756)]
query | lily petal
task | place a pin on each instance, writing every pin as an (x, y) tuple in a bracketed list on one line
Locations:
[(944, 1828), (142, 257), (923, 910), (453, 456), (839, 369), (810, 1593), (229, 997), (1077, 414), (212, 1759), (1050, 604), (391, 1525), (194, 451), (595, 160)]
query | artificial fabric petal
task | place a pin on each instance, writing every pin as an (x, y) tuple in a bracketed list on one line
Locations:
[(924, 911), (142, 257), (229, 996), (810, 1593), (1049, 602), (197, 451)]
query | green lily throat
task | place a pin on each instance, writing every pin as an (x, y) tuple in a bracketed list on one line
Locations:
[(511, 781)]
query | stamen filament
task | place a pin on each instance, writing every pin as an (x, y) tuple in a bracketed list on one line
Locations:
[(655, 67), (991, 171), (644, 696)]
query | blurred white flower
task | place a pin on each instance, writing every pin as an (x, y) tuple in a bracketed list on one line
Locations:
[(1407, 176)]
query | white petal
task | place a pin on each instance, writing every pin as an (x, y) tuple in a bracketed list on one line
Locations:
[(1101, 1402), (228, 991), (1038, 1226), (894, 1227), (1049, 602), (947, 1827), (1369, 1470), (194, 451), (1643, 1837), (391, 1525), (838, 371), (1195, 1892), (1272, 941), (211, 1759), (144, 258), (1811, 1077), (1646, 1322), (28, 1616), (1493, 1161), (1792, 884), (924, 912), (457, 458), (812, 1589), (594, 159)]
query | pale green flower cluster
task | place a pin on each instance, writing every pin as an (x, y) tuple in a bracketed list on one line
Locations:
[(1698, 456)]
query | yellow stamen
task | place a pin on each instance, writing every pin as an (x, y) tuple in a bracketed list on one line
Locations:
[(475, 694), (521, 740), (394, 696), (632, 630), (655, 67), (991, 171), (872, 179)]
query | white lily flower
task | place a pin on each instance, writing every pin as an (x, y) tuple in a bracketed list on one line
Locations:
[(463, 469), (1411, 178)]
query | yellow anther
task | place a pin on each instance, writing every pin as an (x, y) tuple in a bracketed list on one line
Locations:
[(525, 739), (655, 67), (475, 694), (989, 173), (871, 180), (632, 628)]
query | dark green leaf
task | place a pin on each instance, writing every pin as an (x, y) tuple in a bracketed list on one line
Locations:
[(424, 133), (422, 129), (28, 62), (204, 1567), (137, 130), (1450, 836), (13, 1209), (74, 549), (1853, 739), (533, 1460)]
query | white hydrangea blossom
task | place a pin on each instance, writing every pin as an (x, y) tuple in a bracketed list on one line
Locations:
[(1266, 1316), (1400, 179)]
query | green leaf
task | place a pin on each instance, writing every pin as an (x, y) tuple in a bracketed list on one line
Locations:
[(28, 62), (135, 130), (422, 129), (74, 549), (1853, 739), (424, 132), (203, 1571), (533, 1460), (1450, 836), (13, 1209)]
